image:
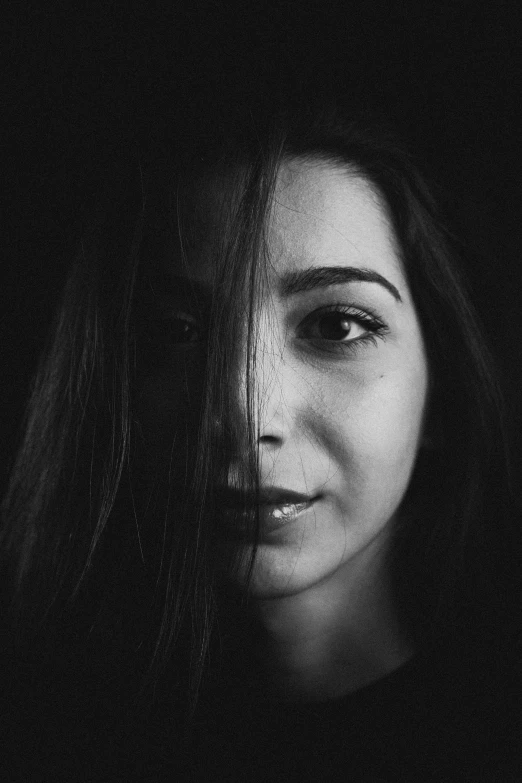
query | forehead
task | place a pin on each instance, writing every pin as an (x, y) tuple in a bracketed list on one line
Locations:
[(321, 214), (325, 212), (203, 211)]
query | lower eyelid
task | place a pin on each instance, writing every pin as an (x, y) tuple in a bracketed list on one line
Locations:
[(364, 320), (350, 348)]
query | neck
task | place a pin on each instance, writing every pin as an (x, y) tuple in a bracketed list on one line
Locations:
[(332, 638)]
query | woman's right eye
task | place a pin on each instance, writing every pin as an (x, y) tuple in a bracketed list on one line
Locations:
[(177, 330), (182, 330)]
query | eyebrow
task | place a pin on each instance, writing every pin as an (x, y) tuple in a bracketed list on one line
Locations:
[(323, 276), (290, 283)]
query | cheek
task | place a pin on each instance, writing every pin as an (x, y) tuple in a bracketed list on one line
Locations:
[(374, 426), (394, 416)]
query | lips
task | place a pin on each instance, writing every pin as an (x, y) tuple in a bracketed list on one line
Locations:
[(277, 508), (268, 496)]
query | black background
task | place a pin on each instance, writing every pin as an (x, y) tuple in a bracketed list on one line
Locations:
[(79, 83)]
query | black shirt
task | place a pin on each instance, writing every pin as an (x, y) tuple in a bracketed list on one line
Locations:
[(420, 723), (415, 724)]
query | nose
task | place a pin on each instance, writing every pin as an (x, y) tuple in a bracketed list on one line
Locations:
[(272, 418), (268, 387)]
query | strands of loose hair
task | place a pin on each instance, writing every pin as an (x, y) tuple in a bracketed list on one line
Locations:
[(80, 544)]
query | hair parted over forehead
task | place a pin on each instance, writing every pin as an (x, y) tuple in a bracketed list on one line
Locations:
[(73, 502)]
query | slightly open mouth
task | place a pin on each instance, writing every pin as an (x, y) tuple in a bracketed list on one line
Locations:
[(271, 515), (283, 511)]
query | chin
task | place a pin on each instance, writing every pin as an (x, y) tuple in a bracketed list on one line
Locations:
[(284, 571), (279, 577)]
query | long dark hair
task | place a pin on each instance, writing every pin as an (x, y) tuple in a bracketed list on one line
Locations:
[(91, 557)]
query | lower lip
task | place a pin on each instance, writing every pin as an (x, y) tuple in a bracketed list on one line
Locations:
[(273, 516)]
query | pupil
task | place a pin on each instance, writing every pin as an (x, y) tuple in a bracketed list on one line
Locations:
[(181, 331), (334, 326)]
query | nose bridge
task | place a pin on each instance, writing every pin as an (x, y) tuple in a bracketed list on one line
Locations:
[(261, 378)]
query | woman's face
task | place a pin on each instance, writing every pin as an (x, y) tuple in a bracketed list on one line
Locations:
[(342, 377)]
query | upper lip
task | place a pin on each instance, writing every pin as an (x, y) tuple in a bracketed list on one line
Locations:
[(267, 496)]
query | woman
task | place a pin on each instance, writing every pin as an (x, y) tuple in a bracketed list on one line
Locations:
[(264, 475)]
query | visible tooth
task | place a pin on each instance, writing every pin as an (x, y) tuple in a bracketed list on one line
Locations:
[(284, 511)]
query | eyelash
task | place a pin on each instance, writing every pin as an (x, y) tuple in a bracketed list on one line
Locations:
[(161, 330), (375, 327)]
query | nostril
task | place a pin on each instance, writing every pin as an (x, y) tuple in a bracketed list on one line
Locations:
[(271, 440)]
